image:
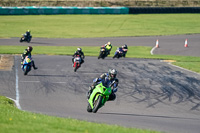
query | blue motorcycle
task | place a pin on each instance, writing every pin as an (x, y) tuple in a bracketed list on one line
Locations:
[(120, 52), (27, 64)]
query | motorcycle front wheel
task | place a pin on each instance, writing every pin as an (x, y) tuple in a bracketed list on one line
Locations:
[(26, 70), (115, 56), (89, 109), (75, 67), (21, 40), (100, 55), (97, 104)]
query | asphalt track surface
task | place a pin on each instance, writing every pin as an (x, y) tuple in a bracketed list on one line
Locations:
[(151, 95)]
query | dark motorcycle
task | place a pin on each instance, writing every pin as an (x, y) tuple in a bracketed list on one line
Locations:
[(77, 63), (27, 64), (103, 53), (25, 38), (120, 53)]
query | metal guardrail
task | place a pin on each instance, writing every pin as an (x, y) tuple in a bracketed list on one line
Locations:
[(94, 10), (62, 10)]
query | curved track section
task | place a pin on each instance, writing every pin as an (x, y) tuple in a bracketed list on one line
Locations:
[(168, 45), (151, 95)]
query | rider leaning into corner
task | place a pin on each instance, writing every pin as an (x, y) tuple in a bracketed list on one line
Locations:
[(125, 49), (27, 52), (108, 47), (79, 53), (109, 80), (28, 33)]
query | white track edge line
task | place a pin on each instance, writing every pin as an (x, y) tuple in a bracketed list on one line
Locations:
[(17, 86), (182, 68), (152, 50)]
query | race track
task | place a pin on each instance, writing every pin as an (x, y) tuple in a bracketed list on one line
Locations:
[(151, 95)]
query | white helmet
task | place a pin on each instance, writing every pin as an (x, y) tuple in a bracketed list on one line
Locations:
[(79, 49), (109, 43), (112, 73)]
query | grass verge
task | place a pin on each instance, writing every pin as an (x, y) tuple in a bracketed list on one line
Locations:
[(13, 120), (87, 26)]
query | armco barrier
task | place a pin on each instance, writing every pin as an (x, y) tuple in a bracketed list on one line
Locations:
[(62, 10), (94, 10), (151, 10)]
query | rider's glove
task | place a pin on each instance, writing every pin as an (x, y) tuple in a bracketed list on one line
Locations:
[(95, 80), (114, 90)]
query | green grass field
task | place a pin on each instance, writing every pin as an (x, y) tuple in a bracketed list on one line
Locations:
[(86, 26)]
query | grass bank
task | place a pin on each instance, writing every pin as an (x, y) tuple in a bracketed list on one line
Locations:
[(13, 120), (87, 26), (188, 62)]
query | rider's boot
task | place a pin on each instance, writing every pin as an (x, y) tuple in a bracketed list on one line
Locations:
[(73, 62), (34, 67), (21, 64), (82, 61)]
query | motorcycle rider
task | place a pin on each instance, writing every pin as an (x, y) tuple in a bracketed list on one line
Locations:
[(109, 80), (121, 51), (27, 34), (27, 52), (108, 47), (79, 53), (125, 49)]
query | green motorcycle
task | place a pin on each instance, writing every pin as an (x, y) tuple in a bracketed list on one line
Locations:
[(98, 98)]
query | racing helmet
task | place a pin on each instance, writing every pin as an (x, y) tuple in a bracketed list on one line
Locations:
[(29, 48), (124, 46), (108, 43), (28, 31), (79, 49), (112, 73)]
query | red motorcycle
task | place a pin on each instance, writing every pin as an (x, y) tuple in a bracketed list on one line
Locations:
[(77, 63)]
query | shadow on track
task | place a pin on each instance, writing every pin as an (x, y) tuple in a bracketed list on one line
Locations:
[(42, 75), (158, 84), (40, 43), (167, 117)]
